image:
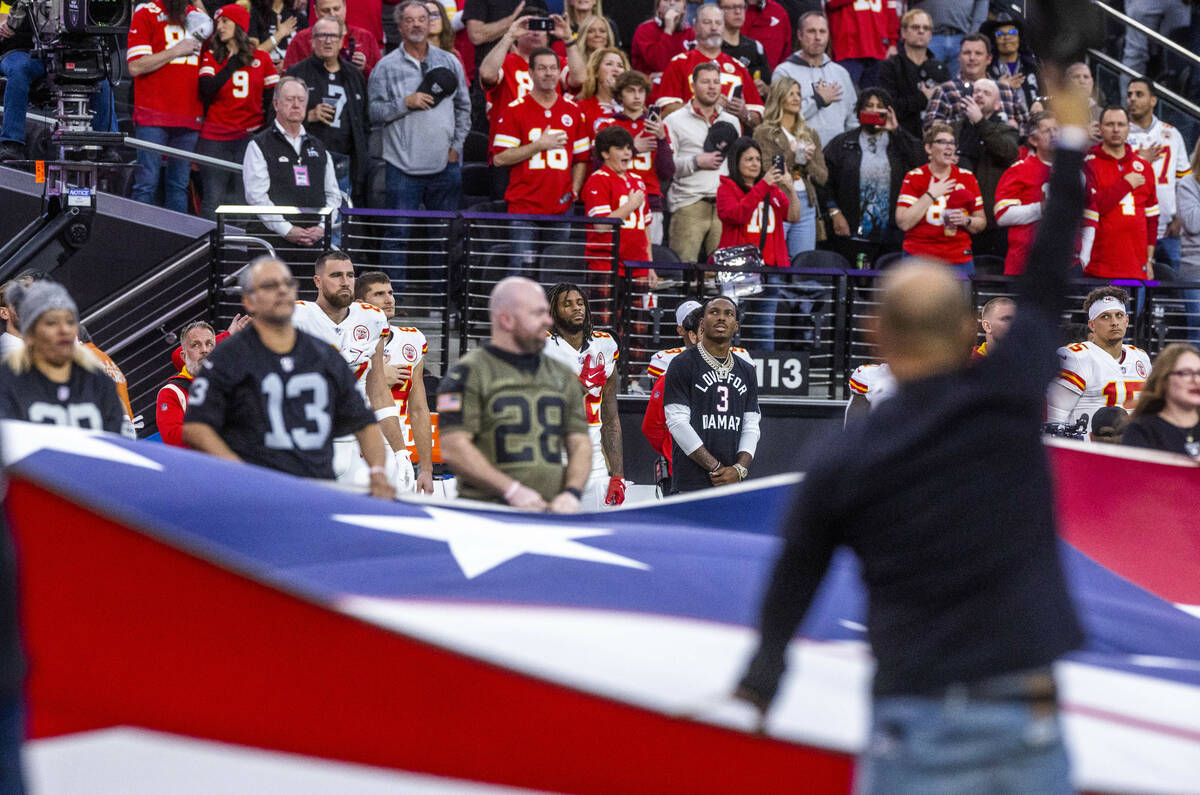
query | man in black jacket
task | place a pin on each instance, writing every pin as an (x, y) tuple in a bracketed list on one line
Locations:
[(337, 107), (912, 74), (862, 211), (944, 494), (987, 145)]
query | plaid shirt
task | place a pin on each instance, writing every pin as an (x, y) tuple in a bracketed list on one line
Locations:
[(944, 105)]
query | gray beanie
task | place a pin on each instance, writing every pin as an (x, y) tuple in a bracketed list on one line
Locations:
[(40, 297)]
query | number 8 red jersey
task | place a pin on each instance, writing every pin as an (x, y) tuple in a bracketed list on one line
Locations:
[(541, 185), (928, 238), (168, 96)]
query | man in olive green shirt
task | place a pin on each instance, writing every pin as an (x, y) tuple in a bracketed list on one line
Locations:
[(506, 413)]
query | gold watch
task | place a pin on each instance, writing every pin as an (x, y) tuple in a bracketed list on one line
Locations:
[(742, 471)]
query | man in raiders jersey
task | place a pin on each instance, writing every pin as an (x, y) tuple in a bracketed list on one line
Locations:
[(1102, 371), (54, 379), (711, 403), (404, 370), (275, 396), (357, 331), (592, 355)]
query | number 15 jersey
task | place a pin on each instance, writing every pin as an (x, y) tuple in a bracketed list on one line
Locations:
[(1100, 380), (279, 411)]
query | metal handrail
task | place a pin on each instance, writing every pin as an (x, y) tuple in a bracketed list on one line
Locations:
[(185, 258), (120, 345), (1163, 92), (1151, 32)]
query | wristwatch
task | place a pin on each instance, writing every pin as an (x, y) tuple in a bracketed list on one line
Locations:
[(742, 471)]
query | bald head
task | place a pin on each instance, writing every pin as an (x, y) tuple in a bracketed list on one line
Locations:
[(520, 315), (925, 321)]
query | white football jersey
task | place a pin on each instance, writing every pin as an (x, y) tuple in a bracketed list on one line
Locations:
[(1173, 163), (874, 382), (1098, 379), (356, 337), (662, 359), (406, 346)]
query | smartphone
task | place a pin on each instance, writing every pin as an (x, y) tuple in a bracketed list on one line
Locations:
[(872, 118), (779, 163), (737, 91), (541, 23)]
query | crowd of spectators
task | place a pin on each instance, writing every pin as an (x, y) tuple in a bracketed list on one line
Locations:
[(844, 92)]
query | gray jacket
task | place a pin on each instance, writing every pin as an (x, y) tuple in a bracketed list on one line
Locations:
[(417, 141), (964, 16), (1187, 194), (828, 121)]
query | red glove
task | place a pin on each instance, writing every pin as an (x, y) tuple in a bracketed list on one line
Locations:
[(616, 491)]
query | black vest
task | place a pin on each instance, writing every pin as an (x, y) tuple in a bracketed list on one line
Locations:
[(282, 161)]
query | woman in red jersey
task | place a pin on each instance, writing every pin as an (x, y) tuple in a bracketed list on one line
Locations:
[(237, 82), (596, 97), (940, 205)]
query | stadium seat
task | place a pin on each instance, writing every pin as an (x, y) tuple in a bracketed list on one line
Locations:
[(475, 150), (474, 183), (889, 259), (819, 259), (663, 254), (988, 265)]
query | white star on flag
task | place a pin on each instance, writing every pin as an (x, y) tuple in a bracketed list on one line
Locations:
[(479, 544), (23, 439)]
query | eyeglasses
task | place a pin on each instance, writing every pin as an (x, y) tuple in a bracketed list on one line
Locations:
[(1008, 32), (271, 286), (945, 142), (1192, 375), (326, 36)]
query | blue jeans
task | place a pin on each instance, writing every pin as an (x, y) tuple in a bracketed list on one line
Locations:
[(218, 185), (441, 191), (945, 49), (1164, 16), (956, 744), (149, 166), (802, 235), (1168, 250), (12, 734), (21, 70), (967, 268)]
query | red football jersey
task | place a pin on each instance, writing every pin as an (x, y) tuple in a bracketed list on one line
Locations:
[(603, 193), (541, 185), (771, 27), (676, 85), (1023, 183), (237, 110), (643, 162), (515, 83), (863, 28), (741, 217), (1126, 218), (928, 238), (166, 97)]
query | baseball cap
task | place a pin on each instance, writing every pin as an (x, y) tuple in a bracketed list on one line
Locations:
[(720, 137), (438, 83), (685, 309), (1109, 420)]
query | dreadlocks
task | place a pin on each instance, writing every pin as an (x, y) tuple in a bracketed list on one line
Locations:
[(558, 291)]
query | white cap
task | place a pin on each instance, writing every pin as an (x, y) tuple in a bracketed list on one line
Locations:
[(685, 309)]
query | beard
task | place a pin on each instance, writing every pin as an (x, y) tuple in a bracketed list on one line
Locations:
[(569, 325), (338, 300)]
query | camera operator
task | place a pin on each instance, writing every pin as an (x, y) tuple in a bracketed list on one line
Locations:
[(164, 60), (21, 68)]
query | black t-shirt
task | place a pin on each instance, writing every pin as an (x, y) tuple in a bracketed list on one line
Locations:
[(749, 53), (487, 11), (280, 411), (717, 406), (331, 86), (1155, 433), (87, 400)]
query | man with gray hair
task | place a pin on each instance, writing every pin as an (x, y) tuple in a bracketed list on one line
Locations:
[(418, 95), (507, 413), (275, 396), (987, 146)]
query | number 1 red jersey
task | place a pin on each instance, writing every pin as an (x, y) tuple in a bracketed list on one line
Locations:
[(541, 185), (169, 96), (237, 110)]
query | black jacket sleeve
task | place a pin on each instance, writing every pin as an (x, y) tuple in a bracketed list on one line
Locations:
[(211, 84)]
